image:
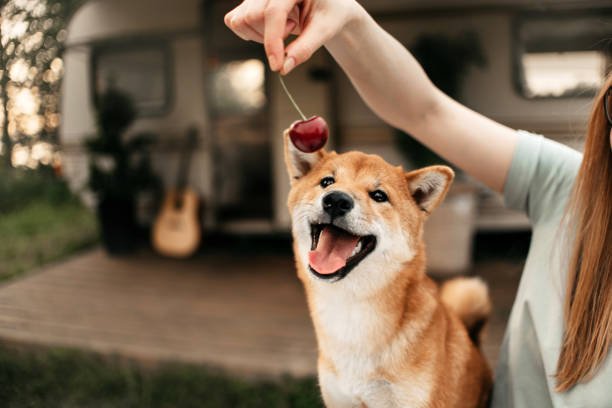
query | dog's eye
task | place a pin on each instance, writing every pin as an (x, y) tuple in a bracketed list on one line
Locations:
[(327, 181), (379, 196)]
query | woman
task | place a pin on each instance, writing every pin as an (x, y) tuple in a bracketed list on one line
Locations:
[(556, 348)]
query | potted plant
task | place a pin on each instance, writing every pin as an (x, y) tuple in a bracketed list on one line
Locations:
[(119, 170), (449, 231)]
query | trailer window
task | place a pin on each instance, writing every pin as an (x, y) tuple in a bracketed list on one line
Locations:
[(563, 55), (140, 70), (238, 87)]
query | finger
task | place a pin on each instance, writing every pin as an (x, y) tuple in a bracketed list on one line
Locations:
[(254, 16), (301, 49), (242, 29), (232, 21), (254, 34), (290, 28), (239, 21), (227, 19), (275, 16), (293, 26)]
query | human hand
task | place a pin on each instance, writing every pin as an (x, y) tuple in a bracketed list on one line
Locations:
[(271, 21)]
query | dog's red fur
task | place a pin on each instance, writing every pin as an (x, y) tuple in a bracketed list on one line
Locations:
[(386, 335)]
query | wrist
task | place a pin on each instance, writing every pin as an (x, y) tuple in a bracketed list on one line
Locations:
[(348, 35)]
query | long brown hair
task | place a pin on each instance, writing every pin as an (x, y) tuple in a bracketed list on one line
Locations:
[(588, 303)]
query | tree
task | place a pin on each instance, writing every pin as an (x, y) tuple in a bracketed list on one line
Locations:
[(32, 35)]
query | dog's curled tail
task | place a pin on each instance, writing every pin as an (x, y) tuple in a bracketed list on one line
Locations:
[(469, 299)]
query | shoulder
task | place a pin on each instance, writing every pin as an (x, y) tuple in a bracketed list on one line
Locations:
[(541, 176)]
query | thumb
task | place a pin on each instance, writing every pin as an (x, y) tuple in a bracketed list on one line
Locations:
[(301, 49)]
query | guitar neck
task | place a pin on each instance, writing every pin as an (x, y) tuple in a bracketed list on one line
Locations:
[(183, 174), (185, 160)]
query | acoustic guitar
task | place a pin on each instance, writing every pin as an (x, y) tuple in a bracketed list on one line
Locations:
[(176, 231)]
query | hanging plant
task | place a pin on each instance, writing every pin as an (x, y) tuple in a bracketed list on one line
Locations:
[(119, 170), (446, 60)]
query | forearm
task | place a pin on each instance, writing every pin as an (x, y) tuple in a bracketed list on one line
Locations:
[(396, 88), (380, 68)]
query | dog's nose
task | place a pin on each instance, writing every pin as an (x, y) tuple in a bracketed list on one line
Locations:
[(337, 204)]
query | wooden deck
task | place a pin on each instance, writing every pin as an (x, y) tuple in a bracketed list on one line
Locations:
[(244, 314)]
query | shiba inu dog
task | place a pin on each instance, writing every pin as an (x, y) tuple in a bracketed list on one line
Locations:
[(387, 336)]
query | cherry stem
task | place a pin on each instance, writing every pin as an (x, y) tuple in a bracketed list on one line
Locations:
[(280, 77)]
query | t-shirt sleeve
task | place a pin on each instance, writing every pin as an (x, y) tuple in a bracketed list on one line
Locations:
[(541, 176)]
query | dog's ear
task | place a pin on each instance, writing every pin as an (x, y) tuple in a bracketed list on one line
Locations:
[(429, 185), (299, 163)]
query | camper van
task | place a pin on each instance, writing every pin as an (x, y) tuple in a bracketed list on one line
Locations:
[(532, 65)]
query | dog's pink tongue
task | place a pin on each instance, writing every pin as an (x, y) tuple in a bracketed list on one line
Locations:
[(334, 248)]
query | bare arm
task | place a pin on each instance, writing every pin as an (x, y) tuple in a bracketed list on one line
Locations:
[(388, 79), (394, 85)]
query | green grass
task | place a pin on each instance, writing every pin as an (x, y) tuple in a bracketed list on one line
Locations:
[(43, 231), (67, 378), (41, 222)]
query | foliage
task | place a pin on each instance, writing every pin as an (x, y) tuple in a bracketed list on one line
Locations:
[(120, 166), (32, 35), (68, 378), (40, 220), (447, 61), (43, 232), (21, 187)]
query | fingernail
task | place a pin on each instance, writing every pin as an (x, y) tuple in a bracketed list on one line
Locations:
[(272, 61), (288, 65)]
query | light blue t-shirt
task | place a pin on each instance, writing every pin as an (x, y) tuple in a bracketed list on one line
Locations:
[(539, 183)]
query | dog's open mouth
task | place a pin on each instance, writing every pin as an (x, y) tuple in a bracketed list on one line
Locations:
[(335, 252)]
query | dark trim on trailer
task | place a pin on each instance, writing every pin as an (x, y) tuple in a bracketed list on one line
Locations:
[(454, 10), (141, 36)]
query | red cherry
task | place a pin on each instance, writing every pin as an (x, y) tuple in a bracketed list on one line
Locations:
[(309, 135)]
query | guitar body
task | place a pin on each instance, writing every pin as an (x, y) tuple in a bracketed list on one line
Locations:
[(176, 232)]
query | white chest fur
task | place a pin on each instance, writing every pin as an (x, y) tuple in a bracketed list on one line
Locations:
[(355, 384), (350, 338), (347, 390), (347, 322)]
